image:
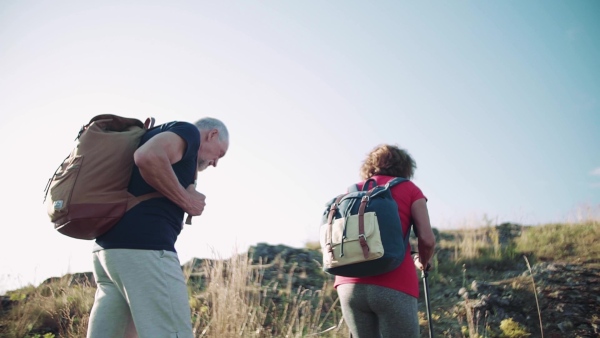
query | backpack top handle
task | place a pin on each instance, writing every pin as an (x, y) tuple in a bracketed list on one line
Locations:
[(367, 184)]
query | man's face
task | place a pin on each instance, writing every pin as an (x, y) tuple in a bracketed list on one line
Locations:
[(211, 150)]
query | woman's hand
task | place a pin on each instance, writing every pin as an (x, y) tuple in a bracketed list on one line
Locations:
[(419, 265)]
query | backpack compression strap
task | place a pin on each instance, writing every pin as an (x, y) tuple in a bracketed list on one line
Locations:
[(330, 216), (361, 211), (362, 239)]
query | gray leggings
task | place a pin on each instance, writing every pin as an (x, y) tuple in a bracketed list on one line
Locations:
[(374, 311)]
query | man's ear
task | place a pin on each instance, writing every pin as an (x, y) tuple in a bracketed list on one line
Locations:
[(213, 134)]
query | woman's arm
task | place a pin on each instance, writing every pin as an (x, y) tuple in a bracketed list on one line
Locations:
[(425, 236)]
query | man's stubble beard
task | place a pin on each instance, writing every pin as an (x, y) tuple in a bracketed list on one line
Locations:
[(202, 164)]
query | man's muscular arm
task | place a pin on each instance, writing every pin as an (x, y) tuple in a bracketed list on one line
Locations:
[(154, 160)]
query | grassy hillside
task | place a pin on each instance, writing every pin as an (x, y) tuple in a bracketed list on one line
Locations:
[(494, 281)]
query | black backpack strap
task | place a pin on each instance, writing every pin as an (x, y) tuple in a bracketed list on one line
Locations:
[(395, 181), (355, 188), (391, 183)]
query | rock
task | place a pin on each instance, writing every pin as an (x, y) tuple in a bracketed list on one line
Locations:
[(508, 231), (566, 326), (482, 287), (5, 303), (78, 278)]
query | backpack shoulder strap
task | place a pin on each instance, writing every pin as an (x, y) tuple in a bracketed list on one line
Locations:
[(395, 181), (370, 183), (367, 184)]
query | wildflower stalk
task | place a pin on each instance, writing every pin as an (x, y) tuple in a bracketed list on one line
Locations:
[(535, 294)]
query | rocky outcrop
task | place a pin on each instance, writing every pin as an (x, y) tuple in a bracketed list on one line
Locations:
[(568, 296), (507, 232), (287, 266), (301, 265), (79, 278)]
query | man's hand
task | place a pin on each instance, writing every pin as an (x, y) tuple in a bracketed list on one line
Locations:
[(197, 201)]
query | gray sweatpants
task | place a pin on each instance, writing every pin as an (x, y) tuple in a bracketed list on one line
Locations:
[(139, 290), (372, 311)]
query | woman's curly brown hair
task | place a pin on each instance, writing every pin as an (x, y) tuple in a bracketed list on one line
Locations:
[(388, 160)]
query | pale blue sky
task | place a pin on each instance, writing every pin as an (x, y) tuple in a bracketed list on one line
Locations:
[(498, 102)]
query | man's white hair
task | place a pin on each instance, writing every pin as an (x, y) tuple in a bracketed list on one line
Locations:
[(209, 123)]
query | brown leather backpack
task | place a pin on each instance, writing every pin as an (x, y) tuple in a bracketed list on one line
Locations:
[(87, 195)]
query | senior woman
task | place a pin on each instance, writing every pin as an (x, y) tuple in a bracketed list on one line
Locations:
[(386, 305)]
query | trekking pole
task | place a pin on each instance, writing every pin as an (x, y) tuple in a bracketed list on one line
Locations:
[(424, 275)]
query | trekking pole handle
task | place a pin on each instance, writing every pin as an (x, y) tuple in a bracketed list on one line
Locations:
[(425, 272), (427, 268), (188, 220)]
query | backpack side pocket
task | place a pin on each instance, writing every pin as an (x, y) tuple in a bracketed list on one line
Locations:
[(61, 188)]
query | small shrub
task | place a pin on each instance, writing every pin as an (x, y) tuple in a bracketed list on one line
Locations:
[(512, 329)]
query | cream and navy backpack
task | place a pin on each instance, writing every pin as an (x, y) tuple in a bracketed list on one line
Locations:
[(361, 232)]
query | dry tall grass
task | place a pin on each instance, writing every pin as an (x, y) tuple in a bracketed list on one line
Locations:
[(235, 300), (237, 303), (60, 306), (472, 241)]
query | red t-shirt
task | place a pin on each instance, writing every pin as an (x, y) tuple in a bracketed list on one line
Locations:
[(403, 278)]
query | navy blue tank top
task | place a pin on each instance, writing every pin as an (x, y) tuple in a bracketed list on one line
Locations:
[(155, 224)]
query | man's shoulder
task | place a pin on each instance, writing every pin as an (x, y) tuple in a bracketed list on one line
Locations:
[(177, 125), (184, 129)]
